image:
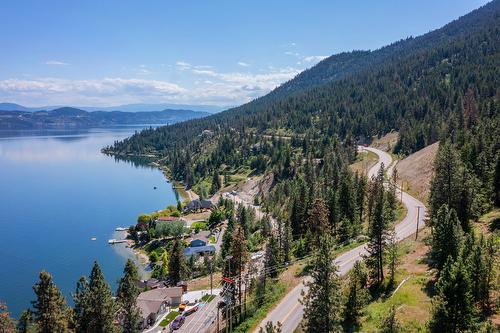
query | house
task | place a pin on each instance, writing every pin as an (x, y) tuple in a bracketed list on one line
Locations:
[(167, 219), (153, 303), (199, 250), (201, 239), (197, 242), (197, 205), (150, 284)]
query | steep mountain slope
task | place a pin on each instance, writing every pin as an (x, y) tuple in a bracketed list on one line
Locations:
[(444, 84), (342, 65)]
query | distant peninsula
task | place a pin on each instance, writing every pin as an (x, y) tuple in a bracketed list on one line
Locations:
[(68, 117)]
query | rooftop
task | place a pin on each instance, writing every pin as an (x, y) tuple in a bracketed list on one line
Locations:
[(150, 301), (199, 249)]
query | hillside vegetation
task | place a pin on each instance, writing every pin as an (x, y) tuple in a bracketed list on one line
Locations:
[(446, 88)]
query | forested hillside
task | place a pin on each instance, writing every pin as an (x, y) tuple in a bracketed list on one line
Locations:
[(68, 117), (440, 85)]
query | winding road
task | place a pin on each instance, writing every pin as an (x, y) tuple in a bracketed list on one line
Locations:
[(289, 311)]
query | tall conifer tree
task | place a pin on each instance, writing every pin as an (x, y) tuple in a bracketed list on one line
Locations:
[(127, 296), (322, 301), (50, 310)]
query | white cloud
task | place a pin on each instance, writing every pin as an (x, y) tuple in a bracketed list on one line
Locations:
[(316, 58), (243, 64), (204, 85), (56, 63), (72, 92), (182, 65)]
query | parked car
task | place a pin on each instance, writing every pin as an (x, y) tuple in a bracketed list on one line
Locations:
[(191, 309), (177, 322)]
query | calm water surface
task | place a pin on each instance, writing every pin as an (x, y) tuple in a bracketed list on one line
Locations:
[(57, 191)]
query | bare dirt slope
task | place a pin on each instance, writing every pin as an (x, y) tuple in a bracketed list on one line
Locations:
[(387, 142), (417, 170), (254, 186)]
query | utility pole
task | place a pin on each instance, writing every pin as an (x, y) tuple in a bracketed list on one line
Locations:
[(418, 219), (211, 276), (228, 308)]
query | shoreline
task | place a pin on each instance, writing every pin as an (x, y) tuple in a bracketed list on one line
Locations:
[(129, 249)]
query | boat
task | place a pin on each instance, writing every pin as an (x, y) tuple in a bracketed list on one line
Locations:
[(121, 229), (93, 238)]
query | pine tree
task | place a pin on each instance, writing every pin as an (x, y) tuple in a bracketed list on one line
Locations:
[(50, 309), (380, 220), (127, 295), (176, 263), (322, 301), (102, 308), (216, 182), (82, 306), (392, 257), (446, 236), (390, 323), (318, 220), (446, 185), (453, 307), (25, 322), (355, 299), (239, 257), (271, 258), (481, 263), (6, 322)]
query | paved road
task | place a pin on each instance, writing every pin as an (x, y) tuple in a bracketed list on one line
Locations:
[(289, 311)]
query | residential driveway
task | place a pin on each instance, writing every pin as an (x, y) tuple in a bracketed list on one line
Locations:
[(195, 296)]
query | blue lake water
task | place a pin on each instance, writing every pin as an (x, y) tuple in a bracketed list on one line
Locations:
[(57, 191)]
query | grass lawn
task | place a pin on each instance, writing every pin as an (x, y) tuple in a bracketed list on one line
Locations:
[(201, 225), (364, 161), (411, 300), (277, 292), (171, 316), (239, 174), (207, 298)]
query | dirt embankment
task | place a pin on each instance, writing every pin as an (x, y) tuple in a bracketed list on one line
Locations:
[(387, 142), (417, 170)]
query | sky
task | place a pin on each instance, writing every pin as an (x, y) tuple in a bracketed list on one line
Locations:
[(219, 52)]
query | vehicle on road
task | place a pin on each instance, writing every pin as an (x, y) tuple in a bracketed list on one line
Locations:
[(177, 322), (183, 306), (191, 309)]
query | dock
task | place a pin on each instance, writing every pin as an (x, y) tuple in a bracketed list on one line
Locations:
[(116, 241)]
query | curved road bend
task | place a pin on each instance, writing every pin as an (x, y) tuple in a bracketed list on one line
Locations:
[(289, 311)]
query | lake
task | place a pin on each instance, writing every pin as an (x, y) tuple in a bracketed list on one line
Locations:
[(57, 191)]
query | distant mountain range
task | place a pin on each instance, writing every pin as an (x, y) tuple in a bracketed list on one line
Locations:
[(124, 108), (18, 117)]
